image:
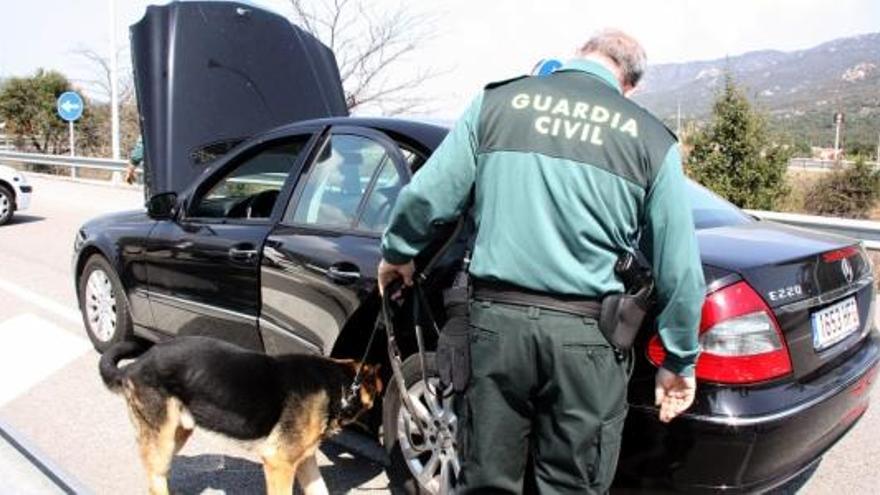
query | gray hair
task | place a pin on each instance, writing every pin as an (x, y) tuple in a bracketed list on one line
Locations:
[(622, 49)]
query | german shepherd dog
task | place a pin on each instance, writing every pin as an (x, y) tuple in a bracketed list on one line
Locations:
[(287, 404)]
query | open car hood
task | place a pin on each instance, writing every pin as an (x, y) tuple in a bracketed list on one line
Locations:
[(210, 74)]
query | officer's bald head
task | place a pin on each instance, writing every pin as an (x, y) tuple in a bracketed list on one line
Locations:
[(620, 49)]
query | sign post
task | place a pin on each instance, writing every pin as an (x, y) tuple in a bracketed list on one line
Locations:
[(70, 108), (838, 120)]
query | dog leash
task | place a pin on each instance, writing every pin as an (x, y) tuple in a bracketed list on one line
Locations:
[(356, 383), (394, 355), (393, 287)]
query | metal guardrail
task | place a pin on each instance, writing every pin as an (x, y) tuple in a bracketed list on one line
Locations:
[(865, 230), (72, 162), (822, 165)]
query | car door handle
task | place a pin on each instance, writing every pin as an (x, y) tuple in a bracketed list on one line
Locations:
[(342, 275), (242, 254)]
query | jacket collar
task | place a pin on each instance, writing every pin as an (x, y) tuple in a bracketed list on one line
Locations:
[(594, 69)]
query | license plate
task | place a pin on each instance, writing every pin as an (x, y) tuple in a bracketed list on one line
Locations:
[(835, 323)]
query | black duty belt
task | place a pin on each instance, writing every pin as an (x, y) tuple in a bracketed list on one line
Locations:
[(513, 294)]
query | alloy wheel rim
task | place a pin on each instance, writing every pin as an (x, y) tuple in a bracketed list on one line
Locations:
[(427, 437), (100, 305)]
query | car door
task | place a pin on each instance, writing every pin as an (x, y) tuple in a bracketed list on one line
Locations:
[(319, 263), (204, 267)]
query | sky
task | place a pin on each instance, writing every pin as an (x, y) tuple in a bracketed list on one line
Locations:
[(476, 41)]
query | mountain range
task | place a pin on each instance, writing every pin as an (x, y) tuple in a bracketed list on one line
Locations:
[(799, 90)]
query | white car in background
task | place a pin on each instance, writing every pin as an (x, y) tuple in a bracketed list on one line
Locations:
[(15, 193)]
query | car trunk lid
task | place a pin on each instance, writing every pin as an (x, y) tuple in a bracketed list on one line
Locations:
[(798, 273), (210, 74)]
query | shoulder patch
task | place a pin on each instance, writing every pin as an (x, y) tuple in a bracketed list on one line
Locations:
[(497, 84)]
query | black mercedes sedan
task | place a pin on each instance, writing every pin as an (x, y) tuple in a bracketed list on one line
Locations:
[(263, 227)]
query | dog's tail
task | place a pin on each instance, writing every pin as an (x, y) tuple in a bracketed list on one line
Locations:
[(110, 372)]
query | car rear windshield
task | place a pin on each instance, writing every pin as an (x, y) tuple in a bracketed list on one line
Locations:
[(711, 211)]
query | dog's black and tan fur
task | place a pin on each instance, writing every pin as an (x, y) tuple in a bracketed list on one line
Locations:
[(287, 403)]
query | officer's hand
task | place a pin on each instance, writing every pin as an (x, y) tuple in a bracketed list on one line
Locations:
[(389, 272), (130, 174), (673, 393)]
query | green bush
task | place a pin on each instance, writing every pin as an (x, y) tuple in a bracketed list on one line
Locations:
[(735, 156), (848, 192)]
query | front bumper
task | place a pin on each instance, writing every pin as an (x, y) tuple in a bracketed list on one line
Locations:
[(712, 452), (23, 197)]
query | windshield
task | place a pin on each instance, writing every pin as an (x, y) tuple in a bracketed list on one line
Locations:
[(711, 211)]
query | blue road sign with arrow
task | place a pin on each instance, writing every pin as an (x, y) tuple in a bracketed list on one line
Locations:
[(70, 106)]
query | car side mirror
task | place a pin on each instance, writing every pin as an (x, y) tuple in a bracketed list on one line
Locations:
[(162, 206)]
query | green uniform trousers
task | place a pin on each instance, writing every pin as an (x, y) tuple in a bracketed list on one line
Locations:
[(546, 380)]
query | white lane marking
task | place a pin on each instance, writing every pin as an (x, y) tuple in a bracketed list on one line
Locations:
[(61, 310), (33, 348)]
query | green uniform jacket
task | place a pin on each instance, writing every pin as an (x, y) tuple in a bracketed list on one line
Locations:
[(568, 174)]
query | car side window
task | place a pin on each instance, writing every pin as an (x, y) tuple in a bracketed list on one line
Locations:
[(333, 191), (251, 189), (380, 202)]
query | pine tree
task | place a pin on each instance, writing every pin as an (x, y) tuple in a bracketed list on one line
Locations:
[(735, 156)]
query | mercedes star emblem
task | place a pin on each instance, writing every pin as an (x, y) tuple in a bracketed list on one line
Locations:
[(847, 270)]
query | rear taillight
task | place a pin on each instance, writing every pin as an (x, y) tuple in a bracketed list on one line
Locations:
[(740, 340)]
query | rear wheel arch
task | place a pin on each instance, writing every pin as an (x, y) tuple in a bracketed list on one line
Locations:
[(352, 340), (355, 335)]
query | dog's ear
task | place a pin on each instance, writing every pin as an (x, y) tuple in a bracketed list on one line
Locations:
[(374, 371)]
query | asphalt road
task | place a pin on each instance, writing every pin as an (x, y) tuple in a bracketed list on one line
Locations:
[(50, 391)]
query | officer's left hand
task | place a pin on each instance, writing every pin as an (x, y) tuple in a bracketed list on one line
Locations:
[(130, 174), (388, 272), (673, 393)]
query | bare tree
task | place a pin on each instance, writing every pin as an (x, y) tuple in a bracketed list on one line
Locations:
[(369, 44), (99, 85), (100, 80)]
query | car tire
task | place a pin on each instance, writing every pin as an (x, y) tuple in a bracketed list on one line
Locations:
[(103, 304), (405, 444), (7, 205)]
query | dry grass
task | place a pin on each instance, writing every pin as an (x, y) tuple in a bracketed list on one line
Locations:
[(799, 182), (875, 261)]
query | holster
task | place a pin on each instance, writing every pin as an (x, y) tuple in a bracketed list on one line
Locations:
[(621, 317), (453, 345)]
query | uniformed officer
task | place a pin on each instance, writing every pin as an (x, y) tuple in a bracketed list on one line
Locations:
[(568, 173)]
